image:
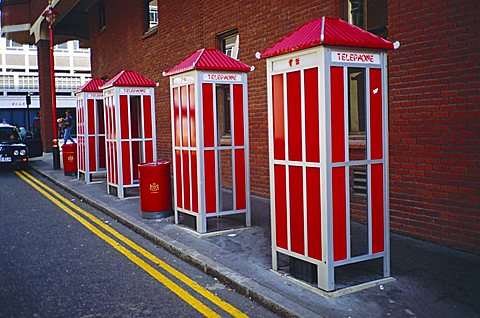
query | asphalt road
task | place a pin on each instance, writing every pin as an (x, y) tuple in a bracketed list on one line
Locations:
[(52, 264)]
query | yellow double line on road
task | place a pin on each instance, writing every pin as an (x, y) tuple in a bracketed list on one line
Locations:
[(70, 208)]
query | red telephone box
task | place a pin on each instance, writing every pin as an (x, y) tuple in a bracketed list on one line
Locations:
[(90, 130), (210, 138), (327, 110), (129, 106)]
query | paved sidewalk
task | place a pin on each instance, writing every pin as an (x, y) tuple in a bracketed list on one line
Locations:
[(428, 280)]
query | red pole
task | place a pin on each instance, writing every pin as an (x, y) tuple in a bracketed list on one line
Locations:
[(52, 80), (55, 149)]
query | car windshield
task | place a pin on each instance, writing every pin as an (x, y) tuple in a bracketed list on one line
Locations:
[(9, 135)]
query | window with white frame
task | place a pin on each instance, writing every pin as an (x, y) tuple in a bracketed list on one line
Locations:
[(12, 45), (77, 48), (67, 82), (7, 82), (28, 82), (229, 43), (151, 14), (101, 15), (62, 47)]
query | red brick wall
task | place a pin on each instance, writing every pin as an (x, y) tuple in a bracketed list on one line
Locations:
[(434, 121), (186, 26), (434, 93)]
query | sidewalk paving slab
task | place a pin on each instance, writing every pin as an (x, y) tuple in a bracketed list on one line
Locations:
[(428, 280)]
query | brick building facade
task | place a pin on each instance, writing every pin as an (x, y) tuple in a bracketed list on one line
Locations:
[(434, 81), (434, 121)]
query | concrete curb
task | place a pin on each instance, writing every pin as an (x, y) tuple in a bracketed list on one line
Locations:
[(242, 284)]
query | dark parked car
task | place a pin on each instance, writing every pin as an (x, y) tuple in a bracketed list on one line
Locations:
[(13, 150)]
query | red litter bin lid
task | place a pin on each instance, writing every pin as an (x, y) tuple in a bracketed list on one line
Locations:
[(155, 163)]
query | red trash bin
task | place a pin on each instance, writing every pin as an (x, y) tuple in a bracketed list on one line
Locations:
[(155, 189), (69, 154)]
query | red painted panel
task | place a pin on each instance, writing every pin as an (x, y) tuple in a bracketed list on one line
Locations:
[(193, 161), (135, 158), (114, 122), (101, 152), (116, 149), (91, 116), (82, 115), (193, 132), (278, 120), (176, 116), (109, 116), (126, 164), (337, 113), (184, 111), (376, 115), (81, 152), (92, 155), (124, 121), (240, 191), (238, 115), (114, 163), (178, 178), (186, 179), (147, 116), (297, 241), (339, 214), (210, 182), (294, 116), (79, 119), (83, 121), (101, 117), (314, 216), (208, 128), (82, 155), (110, 162), (377, 209), (280, 206), (84, 132), (148, 151), (107, 119), (312, 133)]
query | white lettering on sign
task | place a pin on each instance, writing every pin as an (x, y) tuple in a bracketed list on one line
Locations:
[(183, 80), (222, 77), (359, 58), (295, 62), (96, 95), (108, 92), (134, 90)]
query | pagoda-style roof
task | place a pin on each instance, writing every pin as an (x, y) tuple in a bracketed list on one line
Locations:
[(208, 59), (92, 86), (128, 78), (327, 31)]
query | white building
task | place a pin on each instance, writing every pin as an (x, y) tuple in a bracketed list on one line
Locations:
[(19, 76)]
